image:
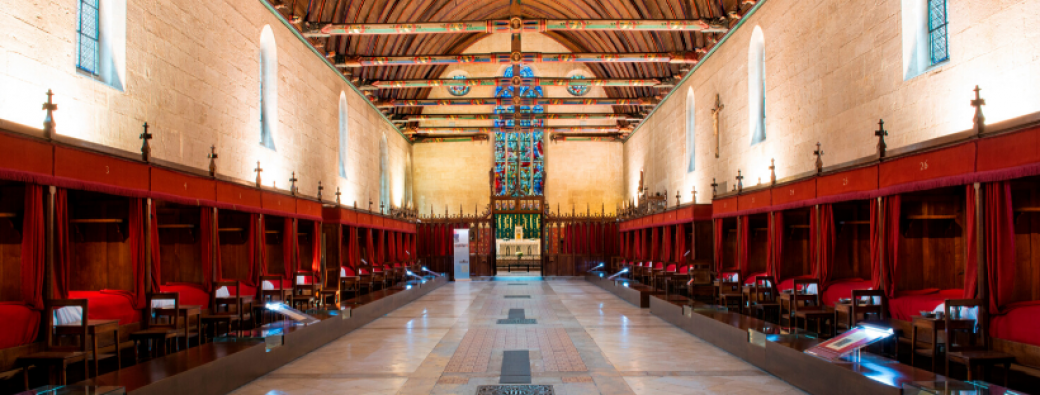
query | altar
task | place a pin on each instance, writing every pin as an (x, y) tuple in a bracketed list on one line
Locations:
[(507, 248)]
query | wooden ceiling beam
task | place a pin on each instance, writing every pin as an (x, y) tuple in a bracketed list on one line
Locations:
[(508, 116), (537, 81), (454, 131), (515, 25), (526, 57), (491, 101)]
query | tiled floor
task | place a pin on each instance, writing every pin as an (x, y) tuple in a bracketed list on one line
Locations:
[(586, 341)]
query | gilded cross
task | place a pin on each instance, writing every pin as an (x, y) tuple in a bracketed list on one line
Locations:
[(881, 133), (48, 122), (980, 120)]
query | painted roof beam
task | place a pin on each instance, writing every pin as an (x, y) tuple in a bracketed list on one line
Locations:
[(515, 25), (523, 57), (499, 117), (536, 81)]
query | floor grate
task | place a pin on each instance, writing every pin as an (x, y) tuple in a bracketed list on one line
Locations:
[(515, 390), (518, 296)]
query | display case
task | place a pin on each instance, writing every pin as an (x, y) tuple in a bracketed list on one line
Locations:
[(953, 387), (76, 390)]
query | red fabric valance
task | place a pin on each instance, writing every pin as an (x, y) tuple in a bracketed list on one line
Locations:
[(928, 170), (793, 195), (847, 185), (182, 189), (26, 160), (277, 204), (239, 198), (75, 169)]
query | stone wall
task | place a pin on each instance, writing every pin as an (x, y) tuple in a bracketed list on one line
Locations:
[(192, 72), (833, 69)]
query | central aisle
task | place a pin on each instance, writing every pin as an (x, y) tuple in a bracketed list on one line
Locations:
[(585, 341)]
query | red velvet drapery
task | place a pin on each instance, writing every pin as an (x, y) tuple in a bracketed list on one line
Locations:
[(262, 240), (971, 261), (776, 245), (370, 246), (654, 246), (155, 256), (254, 259), (354, 253), (206, 233), (1000, 245), (875, 245), (828, 238), (640, 245), (137, 255), (288, 252), (33, 248), (316, 248), (680, 244), (718, 246), (742, 261), (891, 255), (666, 243), (62, 256)]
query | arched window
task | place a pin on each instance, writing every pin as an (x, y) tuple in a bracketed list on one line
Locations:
[(268, 88), (343, 136), (691, 143), (757, 87), (384, 172)]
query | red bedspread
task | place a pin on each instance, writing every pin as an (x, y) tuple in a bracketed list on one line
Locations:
[(20, 324), (108, 305), (190, 294), (751, 278), (1018, 324), (789, 283), (843, 289), (911, 303)]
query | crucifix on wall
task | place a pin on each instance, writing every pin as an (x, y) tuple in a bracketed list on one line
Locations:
[(715, 121)]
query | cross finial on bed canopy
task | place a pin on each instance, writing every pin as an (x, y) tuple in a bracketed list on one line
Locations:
[(258, 170), (740, 181), (819, 158), (881, 133), (48, 122), (146, 150), (212, 161), (980, 120), (320, 188), (292, 183)]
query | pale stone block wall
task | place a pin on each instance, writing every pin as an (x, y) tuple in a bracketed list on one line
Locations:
[(192, 74), (832, 70)]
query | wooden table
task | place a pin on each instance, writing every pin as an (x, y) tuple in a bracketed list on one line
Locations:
[(185, 311), (934, 326), (96, 328)]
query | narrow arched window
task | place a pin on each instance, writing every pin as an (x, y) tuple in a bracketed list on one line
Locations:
[(343, 136), (384, 172), (691, 129), (757, 87), (268, 88)]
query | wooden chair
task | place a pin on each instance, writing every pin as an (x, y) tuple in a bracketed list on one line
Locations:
[(661, 274), (378, 278), (329, 288), (700, 286), (157, 334), (365, 273), (277, 293), (865, 303), (808, 307), (304, 290), (351, 284), (968, 345), (765, 303), (729, 293), (235, 310), (56, 355)]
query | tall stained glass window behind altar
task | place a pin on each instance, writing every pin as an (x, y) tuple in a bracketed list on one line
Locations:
[(519, 159)]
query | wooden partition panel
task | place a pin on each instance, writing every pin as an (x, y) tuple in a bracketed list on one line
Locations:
[(100, 256), (180, 242), (796, 256), (852, 244), (729, 243), (758, 243), (274, 253), (12, 209), (701, 244), (234, 245), (1025, 198), (305, 243), (931, 241)]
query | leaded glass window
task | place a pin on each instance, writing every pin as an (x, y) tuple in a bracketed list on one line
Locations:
[(89, 33), (578, 90), (519, 159), (937, 37)]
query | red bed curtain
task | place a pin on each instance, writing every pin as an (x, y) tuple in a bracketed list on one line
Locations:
[(33, 248), (254, 260), (354, 252), (971, 262), (828, 239), (288, 235), (206, 233), (1000, 245), (137, 255), (718, 246), (891, 256), (666, 244), (680, 244), (62, 256), (742, 261), (154, 241), (316, 247), (262, 237), (875, 245), (655, 246), (776, 245), (370, 246)]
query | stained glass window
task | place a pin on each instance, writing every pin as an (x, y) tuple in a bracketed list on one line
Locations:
[(89, 32), (578, 90), (519, 159), (459, 90), (937, 31)]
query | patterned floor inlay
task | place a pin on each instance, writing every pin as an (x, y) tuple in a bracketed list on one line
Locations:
[(577, 379), (453, 380), (515, 390), (557, 350)]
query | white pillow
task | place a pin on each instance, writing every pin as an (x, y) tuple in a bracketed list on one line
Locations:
[(69, 315), (301, 280), (222, 292), (811, 289), (267, 286), (162, 304), (342, 271)]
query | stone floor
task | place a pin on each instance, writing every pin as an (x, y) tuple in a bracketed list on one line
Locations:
[(585, 341)]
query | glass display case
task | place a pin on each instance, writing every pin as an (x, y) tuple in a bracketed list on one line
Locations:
[(953, 387), (76, 390)]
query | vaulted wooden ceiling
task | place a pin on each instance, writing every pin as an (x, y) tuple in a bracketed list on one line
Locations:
[(313, 14)]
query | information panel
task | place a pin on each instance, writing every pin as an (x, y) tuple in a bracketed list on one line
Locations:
[(461, 243)]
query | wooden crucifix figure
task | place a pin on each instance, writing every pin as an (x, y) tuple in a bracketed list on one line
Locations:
[(146, 150), (740, 181), (715, 121)]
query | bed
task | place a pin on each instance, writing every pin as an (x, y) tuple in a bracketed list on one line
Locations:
[(1018, 323), (190, 294), (20, 324), (910, 303), (109, 304), (843, 288)]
